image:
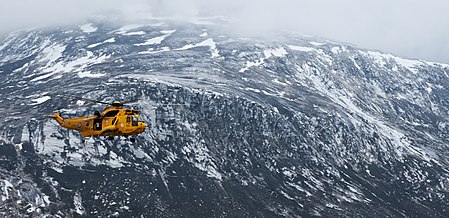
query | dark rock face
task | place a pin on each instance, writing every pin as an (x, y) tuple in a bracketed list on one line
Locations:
[(294, 127)]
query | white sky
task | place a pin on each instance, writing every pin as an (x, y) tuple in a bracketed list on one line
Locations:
[(409, 28)]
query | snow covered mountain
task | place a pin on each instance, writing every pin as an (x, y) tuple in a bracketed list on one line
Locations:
[(290, 126)]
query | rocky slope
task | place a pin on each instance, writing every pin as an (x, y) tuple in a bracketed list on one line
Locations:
[(289, 126)]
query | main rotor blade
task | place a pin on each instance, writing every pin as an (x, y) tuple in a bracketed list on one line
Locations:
[(86, 99), (130, 101), (159, 105), (171, 104)]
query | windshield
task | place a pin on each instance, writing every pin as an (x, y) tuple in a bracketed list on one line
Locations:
[(111, 113), (137, 118)]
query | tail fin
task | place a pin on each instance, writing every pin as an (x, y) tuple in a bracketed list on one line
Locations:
[(58, 118)]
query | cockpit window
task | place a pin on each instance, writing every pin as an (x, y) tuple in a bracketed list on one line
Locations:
[(139, 118), (136, 119), (111, 113)]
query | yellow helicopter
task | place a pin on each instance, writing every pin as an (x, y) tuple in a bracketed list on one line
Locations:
[(115, 120)]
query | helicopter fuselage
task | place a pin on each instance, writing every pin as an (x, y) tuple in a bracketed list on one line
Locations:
[(113, 121)]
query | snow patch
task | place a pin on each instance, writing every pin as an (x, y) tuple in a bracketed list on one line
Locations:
[(286, 195), (301, 48), (88, 28), (57, 169), (409, 64), (336, 50), (125, 29), (279, 82), (77, 202), (317, 43), (253, 90), (137, 33), (163, 49), (199, 155), (77, 65), (52, 53), (206, 43), (111, 40), (299, 188), (382, 58), (251, 64), (278, 52), (157, 40), (7, 187), (40, 100), (88, 74)]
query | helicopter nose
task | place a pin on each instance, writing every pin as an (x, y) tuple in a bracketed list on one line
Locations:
[(143, 125)]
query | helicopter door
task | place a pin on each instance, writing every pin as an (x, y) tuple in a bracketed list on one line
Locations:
[(135, 121), (97, 124), (128, 121)]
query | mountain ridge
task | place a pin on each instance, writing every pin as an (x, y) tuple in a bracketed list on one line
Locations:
[(292, 127)]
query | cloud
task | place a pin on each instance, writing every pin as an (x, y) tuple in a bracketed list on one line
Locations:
[(30, 13), (411, 28)]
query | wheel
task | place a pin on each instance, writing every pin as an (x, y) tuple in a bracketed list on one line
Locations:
[(132, 140)]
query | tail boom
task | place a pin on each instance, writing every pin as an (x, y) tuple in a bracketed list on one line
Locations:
[(58, 119)]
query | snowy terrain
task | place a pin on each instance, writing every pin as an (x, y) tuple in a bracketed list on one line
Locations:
[(294, 127)]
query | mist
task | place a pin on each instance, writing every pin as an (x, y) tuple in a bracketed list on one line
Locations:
[(408, 28)]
